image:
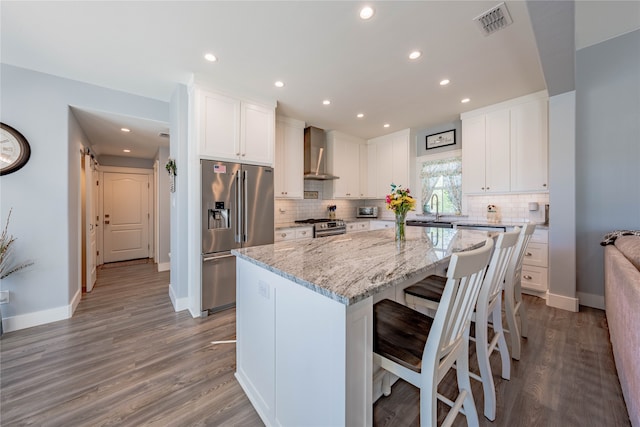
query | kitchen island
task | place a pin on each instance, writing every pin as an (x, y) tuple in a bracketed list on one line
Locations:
[(304, 318)]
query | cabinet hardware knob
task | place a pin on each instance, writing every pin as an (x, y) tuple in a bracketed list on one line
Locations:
[(528, 254), (544, 185), (482, 188), (238, 153), (284, 235), (487, 188), (527, 277), (244, 154)]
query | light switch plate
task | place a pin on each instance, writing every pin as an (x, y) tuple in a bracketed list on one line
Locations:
[(4, 297)]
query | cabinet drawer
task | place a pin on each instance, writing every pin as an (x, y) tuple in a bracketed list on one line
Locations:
[(540, 236), (381, 224), (536, 254), (363, 226), (285, 234), (534, 278), (304, 233), (357, 226)]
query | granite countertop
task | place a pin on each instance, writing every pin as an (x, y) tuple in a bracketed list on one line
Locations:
[(350, 268)]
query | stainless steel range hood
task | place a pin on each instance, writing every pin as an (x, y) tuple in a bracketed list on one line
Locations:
[(315, 153)]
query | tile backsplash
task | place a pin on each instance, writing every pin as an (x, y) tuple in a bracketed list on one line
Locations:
[(510, 207)]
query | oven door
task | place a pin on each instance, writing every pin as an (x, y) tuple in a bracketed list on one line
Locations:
[(330, 232)]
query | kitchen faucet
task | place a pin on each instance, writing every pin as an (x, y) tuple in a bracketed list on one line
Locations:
[(437, 206)]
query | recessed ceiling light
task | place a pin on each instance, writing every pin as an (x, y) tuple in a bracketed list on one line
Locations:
[(415, 54), (125, 130), (387, 125), (210, 57), (326, 102), (127, 151), (360, 115), (464, 101), (444, 82), (279, 84), (366, 12)]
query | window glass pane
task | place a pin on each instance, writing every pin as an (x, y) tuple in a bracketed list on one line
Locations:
[(443, 178)]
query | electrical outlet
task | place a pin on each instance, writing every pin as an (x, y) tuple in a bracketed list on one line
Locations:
[(4, 297)]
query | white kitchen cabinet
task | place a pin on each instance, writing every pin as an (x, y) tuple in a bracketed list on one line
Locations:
[(505, 146), (379, 224), (529, 146), (293, 233), (364, 171), (535, 264), (235, 130), (289, 161), (485, 153), (343, 160), (354, 227), (392, 162), (371, 179)]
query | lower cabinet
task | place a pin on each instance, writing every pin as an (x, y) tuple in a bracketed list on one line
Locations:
[(293, 233), (379, 224), (353, 227), (535, 265)]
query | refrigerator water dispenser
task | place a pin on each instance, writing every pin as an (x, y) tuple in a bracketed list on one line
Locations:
[(219, 218)]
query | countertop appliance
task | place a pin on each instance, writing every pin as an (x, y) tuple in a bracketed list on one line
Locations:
[(325, 227), (237, 212), (367, 212), (315, 153)]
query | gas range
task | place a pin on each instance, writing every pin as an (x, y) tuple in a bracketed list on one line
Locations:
[(323, 227)]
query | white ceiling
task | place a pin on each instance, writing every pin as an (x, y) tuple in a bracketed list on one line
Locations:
[(320, 49)]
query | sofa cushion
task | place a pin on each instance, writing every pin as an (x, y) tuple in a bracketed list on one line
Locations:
[(630, 247)]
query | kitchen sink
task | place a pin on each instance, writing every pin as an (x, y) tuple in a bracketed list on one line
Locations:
[(437, 224)]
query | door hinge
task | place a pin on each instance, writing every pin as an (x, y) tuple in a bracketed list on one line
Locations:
[(97, 252), (97, 182), (148, 185), (148, 215)]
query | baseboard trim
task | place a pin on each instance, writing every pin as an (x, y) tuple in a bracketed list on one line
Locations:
[(591, 300), (563, 302), (179, 304), (164, 266), (37, 318)]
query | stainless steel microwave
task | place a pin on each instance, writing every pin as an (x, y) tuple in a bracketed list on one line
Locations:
[(367, 212)]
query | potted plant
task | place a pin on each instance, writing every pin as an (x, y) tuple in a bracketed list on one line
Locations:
[(7, 265)]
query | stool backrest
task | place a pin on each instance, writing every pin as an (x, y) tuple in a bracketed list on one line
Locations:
[(503, 252), (515, 266), (453, 317)]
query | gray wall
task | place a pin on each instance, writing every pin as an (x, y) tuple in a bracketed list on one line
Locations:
[(607, 150), (421, 137), (126, 162), (45, 194), (164, 207)]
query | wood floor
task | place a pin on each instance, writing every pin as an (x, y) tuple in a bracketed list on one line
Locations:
[(127, 359)]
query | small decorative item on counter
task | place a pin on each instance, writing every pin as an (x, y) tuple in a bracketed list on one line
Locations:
[(400, 202), (492, 214), (332, 211)]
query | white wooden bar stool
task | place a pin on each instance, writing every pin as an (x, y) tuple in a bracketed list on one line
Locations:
[(513, 304), (488, 311), (421, 350)]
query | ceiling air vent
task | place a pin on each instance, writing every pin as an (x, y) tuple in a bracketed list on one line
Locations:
[(494, 19), (163, 135)]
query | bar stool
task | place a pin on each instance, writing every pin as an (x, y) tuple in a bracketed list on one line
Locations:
[(421, 350), (513, 303), (488, 310)]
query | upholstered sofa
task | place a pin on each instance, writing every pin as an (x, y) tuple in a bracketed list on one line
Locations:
[(622, 301)]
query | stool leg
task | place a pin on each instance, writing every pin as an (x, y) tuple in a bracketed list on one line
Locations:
[(386, 384), (496, 316), (514, 331), (482, 353)]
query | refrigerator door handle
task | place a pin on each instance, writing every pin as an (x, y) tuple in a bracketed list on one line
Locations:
[(211, 258), (245, 206), (238, 231)]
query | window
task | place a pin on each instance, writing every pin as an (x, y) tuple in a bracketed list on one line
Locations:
[(444, 178)]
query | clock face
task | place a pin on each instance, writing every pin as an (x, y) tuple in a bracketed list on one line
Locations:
[(14, 150)]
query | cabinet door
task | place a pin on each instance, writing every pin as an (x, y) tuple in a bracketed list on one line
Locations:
[(364, 171), (345, 163), (219, 126), (473, 155), (289, 152), (384, 172), (372, 171), (400, 162), (257, 134), (529, 143), (497, 162)]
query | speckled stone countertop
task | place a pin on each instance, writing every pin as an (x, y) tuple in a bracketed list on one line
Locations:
[(351, 267)]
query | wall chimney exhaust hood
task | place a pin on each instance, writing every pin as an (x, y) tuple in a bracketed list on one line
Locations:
[(315, 153)]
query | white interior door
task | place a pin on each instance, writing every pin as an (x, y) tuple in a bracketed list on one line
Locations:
[(126, 216), (91, 221)]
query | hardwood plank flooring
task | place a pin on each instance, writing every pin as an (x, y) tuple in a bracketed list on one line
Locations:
[(126, 358)]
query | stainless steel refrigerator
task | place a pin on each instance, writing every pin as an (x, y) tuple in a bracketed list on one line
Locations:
[(237, 212)]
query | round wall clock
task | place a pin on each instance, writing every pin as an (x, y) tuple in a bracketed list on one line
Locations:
[(14, 150)]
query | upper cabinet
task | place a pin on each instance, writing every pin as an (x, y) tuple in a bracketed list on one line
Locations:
[(234, 130), (343, 160), (391, 165), (504, 147), (289, 167)]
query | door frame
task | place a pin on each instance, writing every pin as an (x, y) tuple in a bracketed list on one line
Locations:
[(151, 207)]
